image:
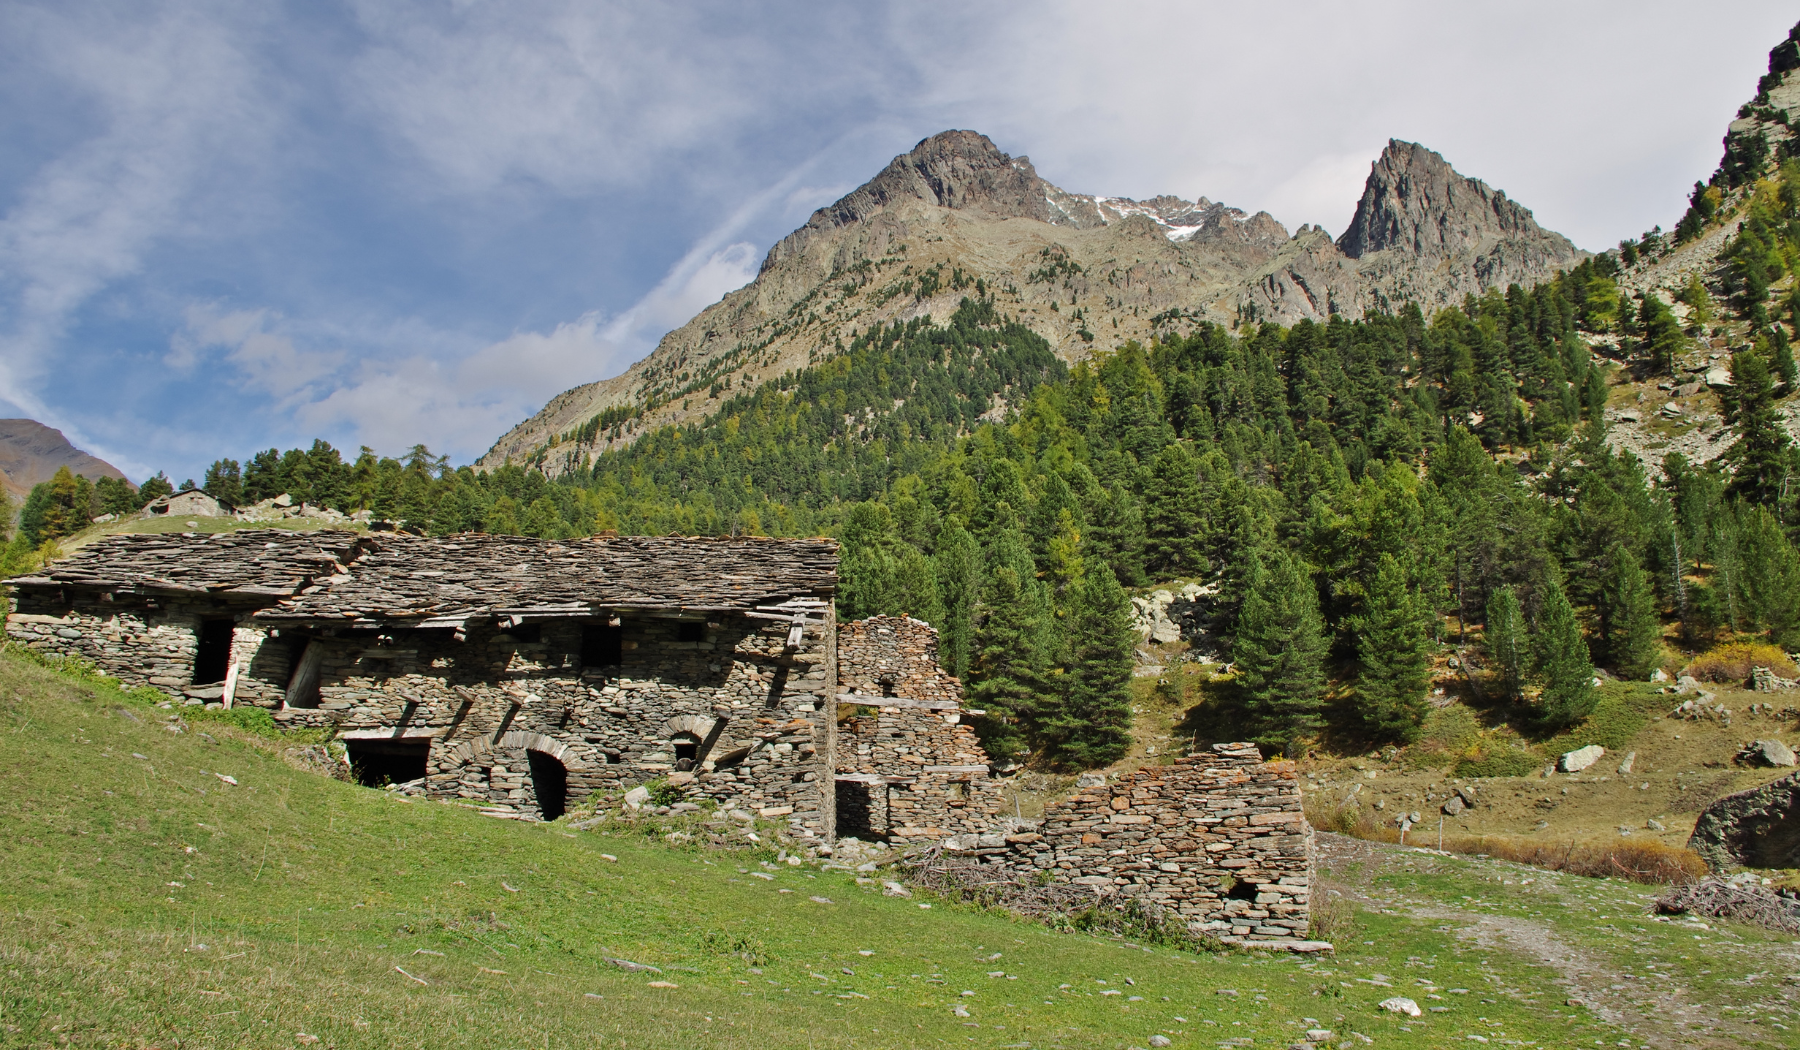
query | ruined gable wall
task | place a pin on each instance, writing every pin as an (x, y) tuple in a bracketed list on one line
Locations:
[(1176, 836), (908, 772)]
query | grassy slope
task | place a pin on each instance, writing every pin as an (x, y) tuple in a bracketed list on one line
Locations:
[(299, 897)]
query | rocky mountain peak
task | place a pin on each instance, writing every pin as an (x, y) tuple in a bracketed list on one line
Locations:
[(1414, 200), (952, 169)]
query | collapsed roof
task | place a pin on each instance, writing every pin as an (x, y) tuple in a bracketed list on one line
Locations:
[(390, 580)]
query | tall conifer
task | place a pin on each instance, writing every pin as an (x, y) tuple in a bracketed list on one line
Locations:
[(1393, 649), (1562, 661), (1280, 649)]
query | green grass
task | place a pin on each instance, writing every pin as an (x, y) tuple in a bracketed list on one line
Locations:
[(148, 903)]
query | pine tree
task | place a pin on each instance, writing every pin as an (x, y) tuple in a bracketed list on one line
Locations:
[(916, 585), (1173, 519), (1503, 638), (1089, 724), (1393, 647), (1761, 447), (1783, 360), (958, 572), (1011, 655), (1561, 658), (1280, 649), (1630, 628)]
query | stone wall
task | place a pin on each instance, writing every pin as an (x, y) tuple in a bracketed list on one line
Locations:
[(140, 643), (1218, 840), (907, 769), (757, 714)]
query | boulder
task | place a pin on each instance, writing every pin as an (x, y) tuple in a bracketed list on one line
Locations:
[(1455, 805), (1718, 376), (1771, 753), (1759, 828), (1401, 1005), (1625, 766), (1579, 759)]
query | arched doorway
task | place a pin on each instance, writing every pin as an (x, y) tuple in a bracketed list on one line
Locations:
[(549, 784)]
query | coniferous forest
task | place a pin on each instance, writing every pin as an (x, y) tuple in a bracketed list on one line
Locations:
[(1356, 496)]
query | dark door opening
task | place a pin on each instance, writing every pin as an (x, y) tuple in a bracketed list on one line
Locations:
[(550, 783), (212, 654), (602, 645), (378, 762), (862, 810), (687, 751)]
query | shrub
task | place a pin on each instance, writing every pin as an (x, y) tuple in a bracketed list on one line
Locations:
[(1499, 762), (663, 793), (1731, 663), (1646, 861)]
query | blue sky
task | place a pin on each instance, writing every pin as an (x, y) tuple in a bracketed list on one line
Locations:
[(230, 226)]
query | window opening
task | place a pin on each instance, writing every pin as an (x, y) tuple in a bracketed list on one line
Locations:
[(550, 783), (1241, 891), (887, 687), (686, 631), (602, 645), (687, 751), (526, 632), (375, 763), (212, 654)]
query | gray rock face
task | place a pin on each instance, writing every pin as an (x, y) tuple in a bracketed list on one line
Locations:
[(1415, 201), (1759, 828)]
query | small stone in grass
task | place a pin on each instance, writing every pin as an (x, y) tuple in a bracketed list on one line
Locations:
[(820, 900), (662, 984), (1401, 1005), (1159, 1040), (609, 857), (229, 780), (926, 906), (145, 758), (304, 1039)]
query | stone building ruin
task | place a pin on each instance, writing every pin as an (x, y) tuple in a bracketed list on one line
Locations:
[(527, 676)]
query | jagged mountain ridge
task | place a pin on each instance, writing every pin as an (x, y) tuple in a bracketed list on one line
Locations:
[(1085, 271)]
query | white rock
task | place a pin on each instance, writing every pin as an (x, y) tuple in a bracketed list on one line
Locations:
[(1625, 766), (1717, 376), (637, 796), (1579, 759), (1401, 1005), (1159, 1040), (1659, 675)]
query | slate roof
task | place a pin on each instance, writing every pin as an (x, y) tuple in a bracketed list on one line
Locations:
[(390, 579), (438, 581), (250, 563)]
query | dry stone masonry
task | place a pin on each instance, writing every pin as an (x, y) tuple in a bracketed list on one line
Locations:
[(1216, 840), (907, 769)]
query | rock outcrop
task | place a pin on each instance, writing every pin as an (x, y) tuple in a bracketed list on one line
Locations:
[(1086, 272), (1759, 828)]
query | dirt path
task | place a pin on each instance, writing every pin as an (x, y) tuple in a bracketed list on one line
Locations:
[(1658, 1013)]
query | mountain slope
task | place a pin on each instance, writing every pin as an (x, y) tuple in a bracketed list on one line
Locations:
[(1082, 270), (31, 452)]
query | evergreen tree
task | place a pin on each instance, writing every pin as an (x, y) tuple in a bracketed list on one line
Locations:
[(915, 582), (1630, 629), (1503, 638), (1561, 658), (1783, 360), (1012, 656), (1393, 649), (1280, 650), (1173, 521), (958, 572), (1760, 452), (1090, 722)]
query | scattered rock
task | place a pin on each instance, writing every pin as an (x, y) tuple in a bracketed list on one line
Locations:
[(1581, 758), (894, 889), (1455, 805), (662, 984), (1159, 1040), (1655, 825), (637, 797), (1625, 766), (1771, 753), (1090, 780), (1401, 1005)]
